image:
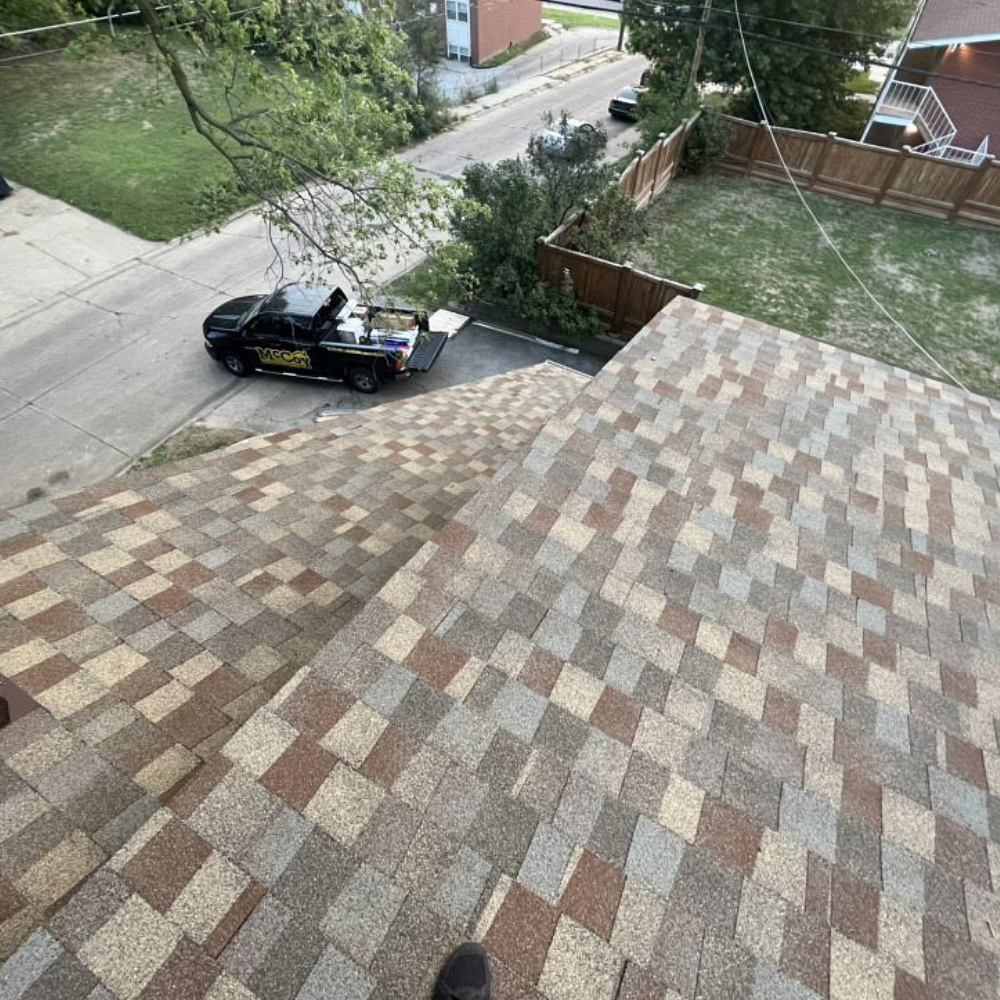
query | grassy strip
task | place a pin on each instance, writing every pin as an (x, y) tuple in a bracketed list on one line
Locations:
[(516, 50), (862, 83), (191, 441), (579, 19)]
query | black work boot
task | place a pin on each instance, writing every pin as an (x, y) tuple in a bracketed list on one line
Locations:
[(465, 975)]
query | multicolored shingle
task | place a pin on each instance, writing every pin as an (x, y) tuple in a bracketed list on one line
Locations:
[(695, 699), (152, 615)]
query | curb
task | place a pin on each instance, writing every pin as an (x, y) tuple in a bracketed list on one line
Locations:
[(540, 82), (527, 336)]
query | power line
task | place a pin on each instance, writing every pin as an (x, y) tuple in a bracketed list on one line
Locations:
[(808, 25), (185, 24), (75, 24), (766, 120), (830, 29), (802, 46), (757, 36)]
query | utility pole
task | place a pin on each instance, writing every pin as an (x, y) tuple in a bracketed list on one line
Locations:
[(699, 47), (621, 27)]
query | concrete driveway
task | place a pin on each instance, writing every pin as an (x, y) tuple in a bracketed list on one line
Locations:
[(269, 403), (109, 367)]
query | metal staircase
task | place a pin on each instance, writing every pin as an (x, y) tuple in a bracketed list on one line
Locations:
[(913, 104)]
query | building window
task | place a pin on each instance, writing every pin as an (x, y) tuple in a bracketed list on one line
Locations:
[(457, 10), (460, 52)]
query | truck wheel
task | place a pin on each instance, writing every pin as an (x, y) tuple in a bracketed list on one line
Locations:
[(363, 380), (236, 364)]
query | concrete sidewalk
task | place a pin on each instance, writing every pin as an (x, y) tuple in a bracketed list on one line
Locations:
[(562, 48), (48, 246)]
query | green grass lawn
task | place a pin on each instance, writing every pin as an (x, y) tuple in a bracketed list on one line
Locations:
[(108, 135), (579, 19), (758, 253), (861, 82), (516, 50)]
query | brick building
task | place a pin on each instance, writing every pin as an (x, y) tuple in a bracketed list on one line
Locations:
[(478, 30), (943, 97)]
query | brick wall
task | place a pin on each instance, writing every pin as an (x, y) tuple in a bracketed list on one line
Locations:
[(975, 110), (498, 24)]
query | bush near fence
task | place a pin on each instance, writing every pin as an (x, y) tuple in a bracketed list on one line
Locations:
[(624, 298), (891, 178)]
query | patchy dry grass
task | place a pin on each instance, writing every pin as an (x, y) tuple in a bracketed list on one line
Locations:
[(191, 441), (755, 248)]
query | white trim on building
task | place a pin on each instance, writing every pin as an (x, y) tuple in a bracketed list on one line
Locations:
[(458, 32)]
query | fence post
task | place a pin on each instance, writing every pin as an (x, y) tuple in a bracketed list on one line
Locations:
[(696, 291), (971, 188), (824, 155), (754, 147), (890, 178), (661, 145), (682, 143), (621, 299), (541, 245), (634, 176)]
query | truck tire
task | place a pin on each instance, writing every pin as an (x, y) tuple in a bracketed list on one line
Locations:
[(236, 364), (363, 380)]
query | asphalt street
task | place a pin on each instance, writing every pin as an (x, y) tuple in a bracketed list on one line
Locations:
[(106, 369)]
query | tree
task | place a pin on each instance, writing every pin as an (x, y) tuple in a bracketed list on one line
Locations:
[(801, 88), (424, 31), (569, 176), (315, 100), (20, 15), (499, 221), (508, 206)]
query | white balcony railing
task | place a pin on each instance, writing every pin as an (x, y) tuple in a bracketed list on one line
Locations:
[(921, 106)]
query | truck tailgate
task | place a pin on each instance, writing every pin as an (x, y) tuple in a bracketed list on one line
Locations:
[(426, 353)]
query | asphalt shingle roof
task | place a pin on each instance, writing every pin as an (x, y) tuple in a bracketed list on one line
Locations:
[(150, 616), (697, 698), (955, 20)]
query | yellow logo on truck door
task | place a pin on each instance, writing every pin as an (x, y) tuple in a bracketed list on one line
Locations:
[(287, 359)]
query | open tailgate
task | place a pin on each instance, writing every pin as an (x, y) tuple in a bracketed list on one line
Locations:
[(426, 353)]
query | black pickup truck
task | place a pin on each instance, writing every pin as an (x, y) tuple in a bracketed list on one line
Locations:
[(315, 331)]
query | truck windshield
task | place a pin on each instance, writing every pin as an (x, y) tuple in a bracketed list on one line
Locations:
[(256, 308)]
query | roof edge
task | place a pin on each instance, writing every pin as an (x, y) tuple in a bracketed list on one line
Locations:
[(933, 43)]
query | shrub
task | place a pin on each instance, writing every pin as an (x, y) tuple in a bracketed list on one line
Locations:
[(506, 208), (707, 142), (612, 225), (850, 119), (558, 309), (664, 106)]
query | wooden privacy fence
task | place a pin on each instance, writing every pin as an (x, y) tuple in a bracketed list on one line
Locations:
[(624, 298), (651, 173), (893, 178)]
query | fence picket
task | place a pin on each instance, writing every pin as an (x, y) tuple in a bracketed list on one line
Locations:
[(916, 182)]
